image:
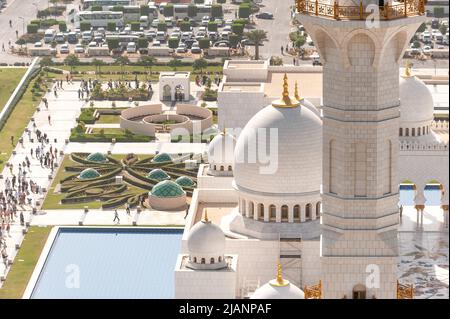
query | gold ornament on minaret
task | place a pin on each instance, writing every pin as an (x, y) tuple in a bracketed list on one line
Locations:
[(286, 101), (407, 72), (279, 281), (205, 217)]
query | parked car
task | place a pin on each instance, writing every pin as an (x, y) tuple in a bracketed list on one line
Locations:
[(200, 35), (196, 50), (213, 35), (72, 37), (156, 43), (186, 36), (150, 35), (264, 15), (38, 44), (181, 48), (169, 21), (161, 36), (426, 49), (79, 48), (131, 47), (64, 49), (60, 38), (86, 36), (175, 34), (205, 21)]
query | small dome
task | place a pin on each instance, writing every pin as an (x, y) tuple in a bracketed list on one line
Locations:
[(89, 173), (221, 149), (162, 157), (206, 239), (158, 174), (278, 288), (97, 157), (167, 189), (416, 101), (185, 181)]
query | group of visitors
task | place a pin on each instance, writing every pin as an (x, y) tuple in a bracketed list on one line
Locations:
[(209, 77)]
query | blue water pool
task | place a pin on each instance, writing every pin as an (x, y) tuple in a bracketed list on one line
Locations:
[(110, 263)]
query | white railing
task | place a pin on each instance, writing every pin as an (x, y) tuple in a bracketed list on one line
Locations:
[(416, 146)]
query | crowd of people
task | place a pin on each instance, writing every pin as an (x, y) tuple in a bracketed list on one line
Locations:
[(211, 77)]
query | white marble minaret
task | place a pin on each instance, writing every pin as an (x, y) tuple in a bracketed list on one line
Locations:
[(360, 139)]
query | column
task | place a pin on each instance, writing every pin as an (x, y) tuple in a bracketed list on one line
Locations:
[(255, 211), (290, 214), (302, 213), (314, 212), (266, 212), (419, 204), (278, 216), (249, 211)]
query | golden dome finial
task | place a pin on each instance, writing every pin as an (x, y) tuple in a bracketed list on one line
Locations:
[(205, 218), (296, 95), (279, 281), (407, 72), (286, 100)]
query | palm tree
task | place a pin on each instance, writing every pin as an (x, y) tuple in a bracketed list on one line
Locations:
[(257, 37), (147, 61), (98, 64), (122, 60)]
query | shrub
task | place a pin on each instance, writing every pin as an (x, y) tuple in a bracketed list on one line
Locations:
[(192, 10), (204, 43), (32, 28), (168, 10), (96, 8), (244, 11), (216, 11), (234, 39), (438, 12), (62, 26), (135, 26), (173, 43), (85, 26), (113, 43), (111, 26), (185, 26), (237, 28), (117, 8), (87, 116), (142, 43), (162, 26), (145, 10), (212, 26)]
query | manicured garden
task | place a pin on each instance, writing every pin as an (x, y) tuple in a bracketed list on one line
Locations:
[(9, 78), (91, 179), (24, 263)]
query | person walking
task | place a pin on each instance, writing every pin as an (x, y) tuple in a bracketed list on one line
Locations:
[(127, 208), (282, 50), (49, 120), (3, 47), (116, 216)]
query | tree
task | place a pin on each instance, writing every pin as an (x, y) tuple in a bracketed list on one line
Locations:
[(111, 26), (98, 64), (142, 43), (46, 61), (135, 26), (244, 11), (173, 43), (145, 10), (162, 26), (200, 64), (148, 62), (237, 28), (212, 26), (234, 40), (443, 28), (122, 61), (204, 43), (216, 11), (85, 26), (168, 10), (257, 37), (71, 60), (32, 28), (174, 64), (185, 26), (192, 11), (113, 43), (62, 26), (299, 41)]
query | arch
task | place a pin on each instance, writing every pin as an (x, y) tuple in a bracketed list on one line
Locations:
[(261, 211), (400, 132), (357, 38), (215, 167), (195, 260), (251, 209), (308, 211), (424, 130), (221, 168), (179, 93), (407, 131), (324, 41), (272, 212), (230, 168), (244, 208), (359, 291), (203, 261), (418, 131), (211, 261), (167, 93), (413, 131), (400, 37), (297, 212), (318, 204), (284, 213), (220, 259)]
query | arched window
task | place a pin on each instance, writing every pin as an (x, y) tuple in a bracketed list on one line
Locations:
[(308, 211), (230, 168), (220, 259), (317, 209), (297, 212), (261, 211), (221, 168), (359, 292), (407, 132), (400, 132), (195, 260), (418, 131), (215, 167), (284, 213), (413, 131), (203, 261), (211, 261), (244, 208), (272, 212)]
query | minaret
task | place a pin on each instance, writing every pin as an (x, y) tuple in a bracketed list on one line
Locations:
[(360, 58)]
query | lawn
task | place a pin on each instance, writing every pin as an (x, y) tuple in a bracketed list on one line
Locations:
[(128, 69), (24, 263), (9, 78), (16, 123), (108, 119)]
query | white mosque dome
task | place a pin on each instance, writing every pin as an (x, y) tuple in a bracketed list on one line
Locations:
[(221, 149), (416, 101), (206, 245), (278, 288), (299, 151)]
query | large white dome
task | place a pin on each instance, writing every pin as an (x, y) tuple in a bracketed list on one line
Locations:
[(299, 151), (416, 101), (278, 288)]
